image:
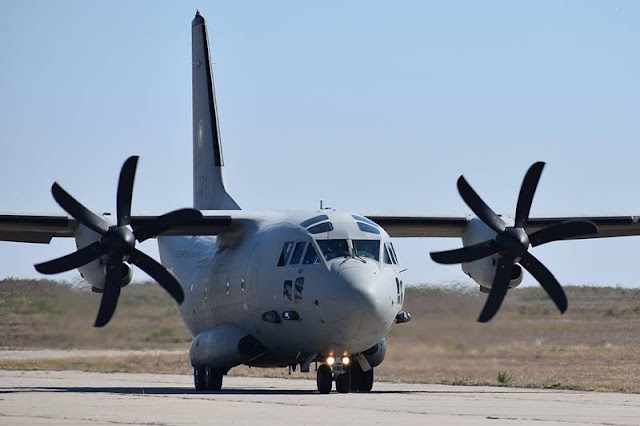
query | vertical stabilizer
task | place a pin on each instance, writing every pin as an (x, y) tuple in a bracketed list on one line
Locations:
[(209, 191)]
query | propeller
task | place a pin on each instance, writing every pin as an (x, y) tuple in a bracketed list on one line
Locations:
[(513, 242), (117, 242)]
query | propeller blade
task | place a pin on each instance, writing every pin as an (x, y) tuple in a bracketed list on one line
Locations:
[(479, 207), (562, 231), (498, 289), (111, 293), (72, 261), (527, 191), (78, 211), (465, 254), (125, 190), (158, 273), (167, 221), (546, 280)]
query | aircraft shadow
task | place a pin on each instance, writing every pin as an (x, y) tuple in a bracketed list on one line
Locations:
[(186, 391)]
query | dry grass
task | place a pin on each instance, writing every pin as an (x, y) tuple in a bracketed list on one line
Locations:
[(595, 346), (45, 314)]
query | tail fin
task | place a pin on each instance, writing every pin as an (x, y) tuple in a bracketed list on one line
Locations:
[(209, 191)]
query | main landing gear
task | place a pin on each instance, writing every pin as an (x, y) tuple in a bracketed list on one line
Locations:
[(348, 378), (208, 378)]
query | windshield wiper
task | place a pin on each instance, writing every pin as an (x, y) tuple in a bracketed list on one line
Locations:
[(353, 255)]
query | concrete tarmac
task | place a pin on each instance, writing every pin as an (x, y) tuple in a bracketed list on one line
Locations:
[(79, 398)]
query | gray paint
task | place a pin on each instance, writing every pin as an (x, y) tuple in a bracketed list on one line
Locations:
[(209, 189)]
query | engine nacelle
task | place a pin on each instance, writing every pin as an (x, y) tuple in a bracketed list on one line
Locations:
[(95, 272), (484, 270), (376, 353), (224, 346)]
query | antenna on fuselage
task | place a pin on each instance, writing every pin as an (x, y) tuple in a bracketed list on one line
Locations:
[(322, 207)]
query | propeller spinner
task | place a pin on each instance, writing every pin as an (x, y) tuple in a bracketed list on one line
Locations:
[(117, 242), (513, 242)]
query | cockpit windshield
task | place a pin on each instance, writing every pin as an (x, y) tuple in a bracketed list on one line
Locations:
[(367, 248), (334, 248)]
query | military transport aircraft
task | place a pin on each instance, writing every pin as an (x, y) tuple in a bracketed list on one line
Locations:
[(292, 288)]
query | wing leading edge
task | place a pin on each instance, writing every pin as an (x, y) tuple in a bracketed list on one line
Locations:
[(38, 228), (31, 228), (454, 226)]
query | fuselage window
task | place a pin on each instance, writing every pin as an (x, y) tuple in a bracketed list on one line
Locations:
[(313, 220), (298, 289), (286, 251), (385, 255), (334, 248), (297, 253), (367, 248), (322, 227), (368, 228), (311, 257)]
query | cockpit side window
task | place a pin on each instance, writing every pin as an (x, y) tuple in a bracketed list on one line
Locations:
[(393, 253), (311, 257), (367, 248), (387, 258), (297, 253), (334, 248), (284, 255)]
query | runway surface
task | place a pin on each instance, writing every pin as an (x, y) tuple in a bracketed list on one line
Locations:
[(78, 398)]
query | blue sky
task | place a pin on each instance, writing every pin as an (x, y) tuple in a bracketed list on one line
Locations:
[(375, 107)]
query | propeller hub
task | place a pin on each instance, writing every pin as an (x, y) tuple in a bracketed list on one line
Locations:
[(513, 241), (118, 240)]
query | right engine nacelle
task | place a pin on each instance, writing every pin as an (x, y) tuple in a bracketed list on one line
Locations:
[(484, 270), (95, 272)]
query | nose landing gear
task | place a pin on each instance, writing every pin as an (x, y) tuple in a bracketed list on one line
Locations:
[(348, 378)]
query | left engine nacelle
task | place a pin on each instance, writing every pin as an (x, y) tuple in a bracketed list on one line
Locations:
[(484, 270), (95, 272)]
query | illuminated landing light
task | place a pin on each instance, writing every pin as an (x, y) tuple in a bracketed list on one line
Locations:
[(291, 316), (345, 360), (331, 360)]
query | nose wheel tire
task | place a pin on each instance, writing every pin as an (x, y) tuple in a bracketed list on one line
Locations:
[(213, 379), (343, 382), (361, 381), (324, 379), (366, 381)]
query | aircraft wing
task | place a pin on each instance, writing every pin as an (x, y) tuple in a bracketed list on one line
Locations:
[(37, 228), (454, 226)]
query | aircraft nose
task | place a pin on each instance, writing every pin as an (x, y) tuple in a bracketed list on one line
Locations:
[(358, 310)]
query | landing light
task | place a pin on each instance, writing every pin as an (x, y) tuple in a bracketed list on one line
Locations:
[(291, 316), (330, 360), (345, 360)]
